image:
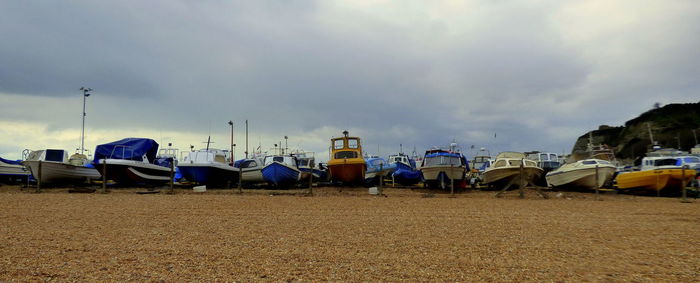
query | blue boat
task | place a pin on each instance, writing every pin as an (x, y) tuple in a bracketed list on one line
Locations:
[(377, 167), (406, 173), (281, 171), (208, 167), (133, 161)]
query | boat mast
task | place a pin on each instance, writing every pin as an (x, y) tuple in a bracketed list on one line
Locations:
[(86, 93), (233, 160), (246, 139), (651, 136)]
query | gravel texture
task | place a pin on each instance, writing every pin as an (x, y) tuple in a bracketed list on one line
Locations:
[(345, 235)]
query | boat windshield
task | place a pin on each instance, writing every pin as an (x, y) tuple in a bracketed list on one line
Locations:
[(666, 161), (691, 159), (54, 155), (442, 160), (345, 154)]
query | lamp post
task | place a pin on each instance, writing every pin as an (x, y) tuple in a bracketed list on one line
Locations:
[(86, 93), (232, 156)]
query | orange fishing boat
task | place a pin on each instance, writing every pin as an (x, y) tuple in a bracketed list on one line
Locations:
[(346, 164)]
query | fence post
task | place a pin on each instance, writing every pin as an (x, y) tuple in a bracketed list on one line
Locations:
[(104, 176), (240, 180), (172, 176), (311, 181), (597, 182), (452, 182), (38, 181), (683, 190), (522, 178)]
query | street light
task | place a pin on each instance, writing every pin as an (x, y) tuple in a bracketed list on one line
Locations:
[(86, 93)]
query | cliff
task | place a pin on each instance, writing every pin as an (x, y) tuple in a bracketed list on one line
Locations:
[(671, 125)]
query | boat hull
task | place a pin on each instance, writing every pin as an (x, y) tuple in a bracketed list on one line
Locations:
[(442, 175), (56, 172), (511, 175), (130, 172), (654, 180), (580, 177), (349, 173), (12, 173), (209, 174), (280, 175)]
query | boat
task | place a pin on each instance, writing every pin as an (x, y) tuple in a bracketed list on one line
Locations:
[(133, 161), (505, 170), (12, 171), (208, 167), (57, 167), (346, 164), (582, 174), (306, 163), (281, 170), (546, 160), (251, 169), (657, 173), (377, 168), (406, 172), (441, 168)]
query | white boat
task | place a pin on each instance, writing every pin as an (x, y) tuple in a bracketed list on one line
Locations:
[(505, 170), (208, 167), (133, 161), (582, 174), (12, 171), (251, 169), (58, 167)]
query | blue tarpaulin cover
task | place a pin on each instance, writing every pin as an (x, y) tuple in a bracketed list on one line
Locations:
[(13, 162), (129, 149)]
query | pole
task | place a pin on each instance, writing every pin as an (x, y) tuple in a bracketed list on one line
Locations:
[(104, 175), (38, 182), (683, 193), (522, 178), (597, 182), (82, 135), (694, 136)]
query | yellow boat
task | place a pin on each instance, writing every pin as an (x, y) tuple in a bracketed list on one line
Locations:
[(655, 179), (346, 164)]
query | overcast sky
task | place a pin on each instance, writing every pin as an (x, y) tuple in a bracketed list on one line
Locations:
[(505, 75)]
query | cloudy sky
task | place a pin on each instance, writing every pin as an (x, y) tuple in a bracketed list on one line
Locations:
[(534, 74)]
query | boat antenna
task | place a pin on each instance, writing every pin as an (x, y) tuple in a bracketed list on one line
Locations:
[(246, 139), (86, 93), (651, 135), (208, 142), (401, 148)]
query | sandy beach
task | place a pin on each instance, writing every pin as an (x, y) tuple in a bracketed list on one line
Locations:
[(345, 235)]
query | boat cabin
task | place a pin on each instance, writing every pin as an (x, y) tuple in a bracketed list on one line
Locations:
[(53, 155), (284, 159), (443, 158), (206, 156), (346, 147), (545, 160)]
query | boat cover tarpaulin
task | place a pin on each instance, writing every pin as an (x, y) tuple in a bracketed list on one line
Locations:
[(129, 149), (13, 162)]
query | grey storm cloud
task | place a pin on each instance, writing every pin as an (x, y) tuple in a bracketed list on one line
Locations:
[(538, 74)]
